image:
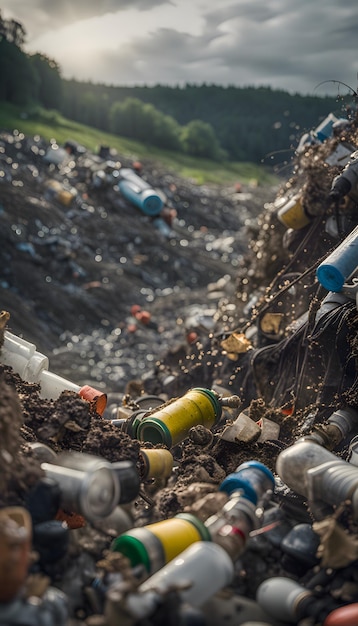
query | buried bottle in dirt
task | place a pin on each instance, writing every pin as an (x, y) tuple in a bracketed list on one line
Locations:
[(156, 544), (171, 423), (32, 366)]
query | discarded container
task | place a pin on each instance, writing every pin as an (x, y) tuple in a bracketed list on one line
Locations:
[(231, 527), (156, 544), (125, 471), (56, 155), (54, 190), (333, 272), (346, 183), (139, 192), (23, 357), (301, 544), (284, 599), (93, 493), (293, 215), (199, 572), (344, 616), (171, 423), (252, 478), (325, 129), (157, 463), (15, 548), (318, 474), (52, 385), (98, 398), (32, 366)]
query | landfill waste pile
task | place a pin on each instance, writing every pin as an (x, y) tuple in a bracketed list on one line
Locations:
[(214, 483)]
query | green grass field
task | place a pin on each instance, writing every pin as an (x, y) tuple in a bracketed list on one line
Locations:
[(51, 125)]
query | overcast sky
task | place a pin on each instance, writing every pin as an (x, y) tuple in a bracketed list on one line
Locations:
[(286, 44)]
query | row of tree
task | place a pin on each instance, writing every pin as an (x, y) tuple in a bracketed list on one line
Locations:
[(243, 124)]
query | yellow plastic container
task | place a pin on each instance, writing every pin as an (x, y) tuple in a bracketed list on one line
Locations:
[(156, 544), (171, 423), (157, 463), (292, 214)]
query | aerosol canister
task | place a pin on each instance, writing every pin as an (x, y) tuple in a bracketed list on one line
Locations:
[(293, 214), (156, 544), (170, 424)]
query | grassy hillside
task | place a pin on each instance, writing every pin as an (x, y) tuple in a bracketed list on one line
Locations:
[(50, 124)]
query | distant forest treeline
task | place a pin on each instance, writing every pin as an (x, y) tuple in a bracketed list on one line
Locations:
[(240, 124)]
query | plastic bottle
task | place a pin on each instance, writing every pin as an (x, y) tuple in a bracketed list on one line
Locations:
[(23, 357), (32, 366), (170, 424), (333, 272), (199, 572), (231, 527), (314, 472), (139, 192), (284, 599), (252, 478), (93, 493), (153, 546)]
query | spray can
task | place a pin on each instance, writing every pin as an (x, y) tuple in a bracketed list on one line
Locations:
[(293, 215), (333, 272), (153, 546), (171, 423)]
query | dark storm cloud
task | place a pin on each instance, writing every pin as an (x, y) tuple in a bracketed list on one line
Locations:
[(289, 44)]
